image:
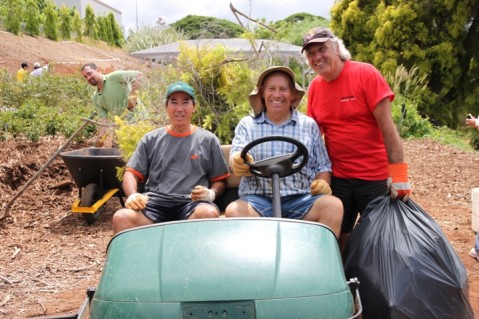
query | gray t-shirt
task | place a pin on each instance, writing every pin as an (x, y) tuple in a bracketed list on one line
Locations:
[(173, 164)]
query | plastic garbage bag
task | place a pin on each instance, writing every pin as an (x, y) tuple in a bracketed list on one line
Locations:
[(405, 265)]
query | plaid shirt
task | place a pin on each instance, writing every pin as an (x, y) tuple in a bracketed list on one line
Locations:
[(299, 127)]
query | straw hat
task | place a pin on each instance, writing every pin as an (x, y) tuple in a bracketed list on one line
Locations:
[(255, 99)]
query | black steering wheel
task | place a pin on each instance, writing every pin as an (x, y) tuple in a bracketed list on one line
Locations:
[(282, 165)]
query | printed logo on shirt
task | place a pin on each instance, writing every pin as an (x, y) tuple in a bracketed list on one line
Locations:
[(194, 156), (348, 98)]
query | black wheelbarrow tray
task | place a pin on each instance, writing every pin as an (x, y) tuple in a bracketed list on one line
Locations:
[(94, 171)]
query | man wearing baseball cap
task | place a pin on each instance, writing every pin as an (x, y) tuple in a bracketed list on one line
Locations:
[(181, 165), (351, 102), (37, 70)]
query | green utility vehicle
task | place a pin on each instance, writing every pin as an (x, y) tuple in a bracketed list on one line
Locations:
[(227, 267)]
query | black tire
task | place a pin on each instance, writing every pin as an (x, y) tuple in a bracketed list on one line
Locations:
[(90, 195)]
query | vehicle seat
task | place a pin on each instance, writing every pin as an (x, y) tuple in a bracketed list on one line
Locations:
[(232, 183)]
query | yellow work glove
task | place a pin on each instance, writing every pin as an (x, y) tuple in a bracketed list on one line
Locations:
[(320, 186), (239, 167), (398, 182), (136, 201), (202, 193)]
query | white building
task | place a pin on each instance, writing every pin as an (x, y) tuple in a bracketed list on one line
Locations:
[(101, 9)]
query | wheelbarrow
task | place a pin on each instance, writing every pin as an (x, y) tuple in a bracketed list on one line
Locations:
[(94, 171), (227, 267)]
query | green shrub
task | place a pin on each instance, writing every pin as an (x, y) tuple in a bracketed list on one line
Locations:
[(47, 105), (408, 121), (457, 138)]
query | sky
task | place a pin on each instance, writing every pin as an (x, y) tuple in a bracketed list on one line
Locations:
[(148, 11)]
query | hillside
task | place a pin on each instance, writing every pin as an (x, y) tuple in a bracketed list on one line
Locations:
[(63, 56)]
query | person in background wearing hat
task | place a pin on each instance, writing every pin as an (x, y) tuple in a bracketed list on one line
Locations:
[(37, 70), (351, 102), (182, 166), (22, 73), (116, 94), (304, 195)]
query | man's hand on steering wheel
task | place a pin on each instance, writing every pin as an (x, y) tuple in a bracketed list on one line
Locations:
[(238, 165)]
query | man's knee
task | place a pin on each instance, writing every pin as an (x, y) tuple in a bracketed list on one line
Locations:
[(126, 218), (121, 215), (205, 211)]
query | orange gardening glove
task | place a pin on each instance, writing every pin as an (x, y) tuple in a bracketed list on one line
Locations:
[(398, 181), (239, 167), (320, 186)]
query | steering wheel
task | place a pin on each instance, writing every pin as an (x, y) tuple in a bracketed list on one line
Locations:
[(282, 165)]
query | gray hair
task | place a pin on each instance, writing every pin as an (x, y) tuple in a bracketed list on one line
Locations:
[(344, 53)]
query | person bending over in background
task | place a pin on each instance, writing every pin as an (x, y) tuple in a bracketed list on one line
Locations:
[(182, 166), (115, 94), (37, 70), (351, 102), (305, 194)]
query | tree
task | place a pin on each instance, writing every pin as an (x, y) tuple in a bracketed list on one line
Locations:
[(116, 33), (439, 37), (77, 26), (221, 84), (198, 27), (51, 22), (65, 22), (292, 28), (90, 24), (104, 30), (32, 25), (14, 16), (151, 36), (42, 5)]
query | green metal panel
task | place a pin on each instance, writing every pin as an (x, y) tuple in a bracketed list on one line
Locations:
[(279, 263)]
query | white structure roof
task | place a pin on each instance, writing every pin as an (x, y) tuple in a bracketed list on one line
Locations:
[(243, 46)]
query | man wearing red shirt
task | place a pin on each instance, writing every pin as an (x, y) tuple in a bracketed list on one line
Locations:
[(351, 102)]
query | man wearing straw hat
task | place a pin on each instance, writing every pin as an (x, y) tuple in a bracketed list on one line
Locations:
[(304, 195)]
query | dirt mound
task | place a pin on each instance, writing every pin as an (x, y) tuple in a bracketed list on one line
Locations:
[(62, 56)]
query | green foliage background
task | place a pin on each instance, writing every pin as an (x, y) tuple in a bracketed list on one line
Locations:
[(43, 17), (44, 106), (439, 38), (198, 27), (426, 50)]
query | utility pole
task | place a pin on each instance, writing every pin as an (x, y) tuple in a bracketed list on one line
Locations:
[(136, 2)]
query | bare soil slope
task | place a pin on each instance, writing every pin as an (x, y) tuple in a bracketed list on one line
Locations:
[(61, 56)]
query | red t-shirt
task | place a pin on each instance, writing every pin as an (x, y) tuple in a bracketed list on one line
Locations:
[(343, 108)]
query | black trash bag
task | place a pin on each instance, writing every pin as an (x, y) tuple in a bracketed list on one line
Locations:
[(405, 265)]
